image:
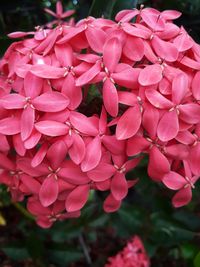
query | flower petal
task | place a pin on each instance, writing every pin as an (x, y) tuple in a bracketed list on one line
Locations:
[(119, 186), (165, 50), (182, 197), (77, 150), (174, 180), (77, 198), (157, 100), (102, 172), (10, 126), (49, 191), (168, 126), (13, 101), (51, 102), (92, 155), (129, 123), (27, 122), (150, 75), (51, 128), (111, 204), (32, 85), (110, 98), (112, 51), (96, 38), (158, 164)]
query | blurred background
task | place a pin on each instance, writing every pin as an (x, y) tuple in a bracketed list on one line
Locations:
[(171, 236)]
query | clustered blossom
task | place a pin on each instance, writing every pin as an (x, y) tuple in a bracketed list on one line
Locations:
[(55, 147), (133, 255)]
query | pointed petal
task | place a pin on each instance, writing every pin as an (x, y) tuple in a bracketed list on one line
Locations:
[(119, 186), (12, 101), (40, 155), (47, 71), (60, 150), (73, 174), (185, 137), (96, 38), (83, 124), (110, 98), (183, 42), (31, 183), (194, 159), (182, 197), (111, 204), (77, 150), (150, 75), (195, 86), (158, 164), (177, 151), (137, 145), (157, 100), (179, 88), (92, 156), (10, 126), (165, 50), (126, 15), (113, 145), (150, 120), (112, 51), (18, 145), (77, 198), (174, 180), (32, 85), (103, 121), (49, 191), (73, 92), (129, 123), (134, 48), (6, 163), (64, 54), (190, 113), (168, 126), (51, 102), (102, 172), (170, 14), (27, 122), (52, 128), (89, 75), (33, 140), (127, 78)]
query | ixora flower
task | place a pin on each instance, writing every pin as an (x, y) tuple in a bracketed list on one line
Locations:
[(133, 255), (81, 103)]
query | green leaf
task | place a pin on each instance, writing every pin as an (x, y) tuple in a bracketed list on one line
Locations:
[(123, 4), (188, 251), (16, 253), (109, 8), (63, 257), (197, 260)]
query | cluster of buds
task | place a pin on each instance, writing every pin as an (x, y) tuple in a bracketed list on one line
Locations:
[(133, 255), (56, 146)]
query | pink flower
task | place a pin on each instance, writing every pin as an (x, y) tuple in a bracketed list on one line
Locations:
[(133, 255), (80, 104)]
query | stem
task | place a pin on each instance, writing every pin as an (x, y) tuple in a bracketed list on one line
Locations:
[(85, 250), (23, 211)]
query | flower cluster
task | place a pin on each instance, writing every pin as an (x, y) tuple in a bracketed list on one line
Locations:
[(133, 255), (81, 103)]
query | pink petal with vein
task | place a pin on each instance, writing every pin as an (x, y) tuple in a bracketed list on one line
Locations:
[(77, 198), (168, 126), (48, 191), (129, 123), (52, 128), (92, 155)]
